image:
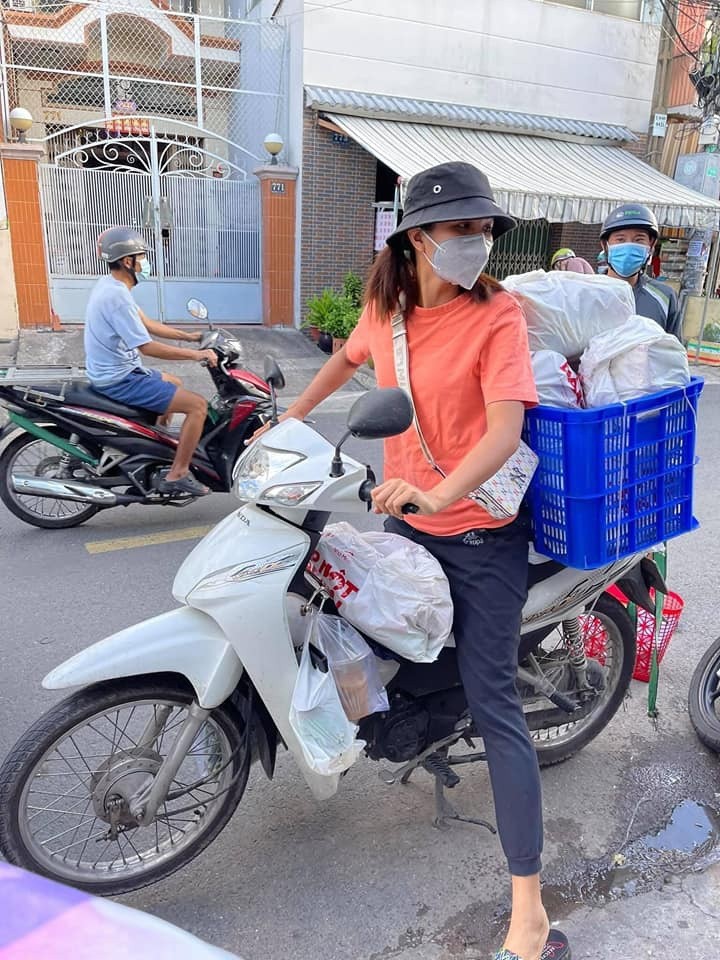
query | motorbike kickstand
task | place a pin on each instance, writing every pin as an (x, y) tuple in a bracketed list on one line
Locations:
[(437, 764), (445, 812)]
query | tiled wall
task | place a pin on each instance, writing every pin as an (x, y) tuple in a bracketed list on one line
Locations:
[(278, 241), (28, 249)]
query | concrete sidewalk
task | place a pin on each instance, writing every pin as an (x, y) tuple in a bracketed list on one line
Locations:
[(297, 356)]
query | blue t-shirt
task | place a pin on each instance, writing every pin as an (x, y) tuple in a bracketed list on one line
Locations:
[(113, 332)]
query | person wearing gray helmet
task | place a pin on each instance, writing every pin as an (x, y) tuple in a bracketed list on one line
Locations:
[(117, 335), (471, 378), (628, 237)]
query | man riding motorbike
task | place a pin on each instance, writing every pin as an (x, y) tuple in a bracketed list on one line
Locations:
[(628, 236), (117, 332)]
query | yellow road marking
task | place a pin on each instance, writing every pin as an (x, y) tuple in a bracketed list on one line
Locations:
[(148, 539)]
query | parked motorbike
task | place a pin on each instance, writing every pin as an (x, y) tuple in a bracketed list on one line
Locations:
[(704, 698), (69, 451), (129, 779)]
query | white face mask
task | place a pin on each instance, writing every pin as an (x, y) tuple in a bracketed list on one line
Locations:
[(460, 260)]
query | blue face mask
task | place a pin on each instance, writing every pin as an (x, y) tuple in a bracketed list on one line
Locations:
[(145, 269), (627, 259)]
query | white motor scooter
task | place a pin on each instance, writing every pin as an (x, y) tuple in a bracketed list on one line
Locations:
[(128, 779)]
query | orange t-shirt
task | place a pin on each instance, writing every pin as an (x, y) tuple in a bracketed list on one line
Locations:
[(463, 356)]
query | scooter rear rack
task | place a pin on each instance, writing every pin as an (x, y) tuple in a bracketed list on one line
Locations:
[(34, 378)]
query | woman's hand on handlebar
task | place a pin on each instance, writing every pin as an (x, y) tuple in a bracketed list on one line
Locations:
[(390, 497)]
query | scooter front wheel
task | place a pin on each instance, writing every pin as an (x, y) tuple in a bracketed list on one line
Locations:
[(64, 788)]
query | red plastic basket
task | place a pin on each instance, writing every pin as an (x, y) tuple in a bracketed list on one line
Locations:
[(595, 635)]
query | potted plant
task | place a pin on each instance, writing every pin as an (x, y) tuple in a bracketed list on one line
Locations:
[(321, 316)]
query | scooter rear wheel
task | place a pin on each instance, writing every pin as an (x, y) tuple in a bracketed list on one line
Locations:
[(563, 739), (65, 784)]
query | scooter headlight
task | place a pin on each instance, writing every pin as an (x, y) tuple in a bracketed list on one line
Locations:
[(289, 494), (258, 466)]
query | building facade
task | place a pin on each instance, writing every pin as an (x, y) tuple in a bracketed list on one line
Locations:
[(554, 100), (154, 113)]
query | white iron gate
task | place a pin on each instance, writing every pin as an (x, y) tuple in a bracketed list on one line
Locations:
[(199, 212)]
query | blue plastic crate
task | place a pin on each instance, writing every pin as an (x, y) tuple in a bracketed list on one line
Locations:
[(614, 480)]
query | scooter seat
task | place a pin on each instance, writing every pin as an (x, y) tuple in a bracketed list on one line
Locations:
[(83, 395)]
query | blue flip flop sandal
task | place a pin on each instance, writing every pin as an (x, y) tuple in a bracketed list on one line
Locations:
[(556, 948)]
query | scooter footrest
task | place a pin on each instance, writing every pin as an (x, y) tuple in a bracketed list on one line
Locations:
[(438, 766)]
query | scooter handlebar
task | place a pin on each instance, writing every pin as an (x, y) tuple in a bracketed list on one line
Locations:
[(366, 490)]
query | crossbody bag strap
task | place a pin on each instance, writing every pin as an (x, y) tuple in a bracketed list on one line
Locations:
[(401, 357)]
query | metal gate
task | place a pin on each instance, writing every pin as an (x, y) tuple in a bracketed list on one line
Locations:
[(199, 211), (521, 250)]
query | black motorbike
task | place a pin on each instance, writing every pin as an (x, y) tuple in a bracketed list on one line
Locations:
[(68, 451)]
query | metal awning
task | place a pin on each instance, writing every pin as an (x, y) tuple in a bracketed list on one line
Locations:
[(380, 106), (536, 177)]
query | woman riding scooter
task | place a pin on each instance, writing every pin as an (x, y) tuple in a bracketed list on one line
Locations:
[(471, 381)]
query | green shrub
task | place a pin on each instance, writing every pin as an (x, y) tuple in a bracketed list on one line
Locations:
[(711, 333), (322, 310), (352, 288), (333, 313)]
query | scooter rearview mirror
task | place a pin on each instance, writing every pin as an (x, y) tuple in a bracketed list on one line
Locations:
[(197, 309), (376, 415), (273, 374), (276, 381), (380, 413)]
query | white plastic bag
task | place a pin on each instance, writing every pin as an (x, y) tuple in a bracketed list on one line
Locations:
[(317, 716), (354, 668), (632, 361), (387, 586), (557, 383), (564, 311)]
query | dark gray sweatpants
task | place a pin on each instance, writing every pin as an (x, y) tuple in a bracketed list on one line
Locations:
[(487, 571)]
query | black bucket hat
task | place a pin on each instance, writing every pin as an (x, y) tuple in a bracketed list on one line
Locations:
[(450, 191)]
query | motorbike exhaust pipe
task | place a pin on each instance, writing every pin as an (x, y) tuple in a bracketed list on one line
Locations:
[(64, 490)]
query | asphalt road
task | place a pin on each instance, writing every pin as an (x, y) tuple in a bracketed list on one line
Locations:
[(366, 875)]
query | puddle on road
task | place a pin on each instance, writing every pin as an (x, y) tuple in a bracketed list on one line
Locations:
[(689, 841), (692, 827)]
